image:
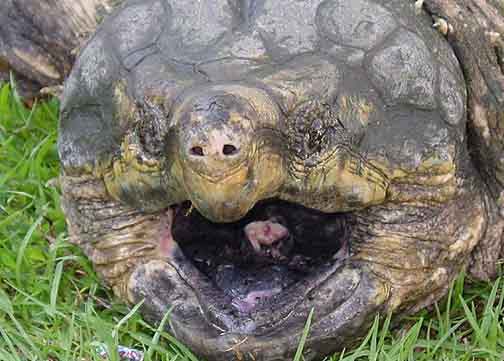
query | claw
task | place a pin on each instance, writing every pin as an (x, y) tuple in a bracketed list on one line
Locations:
[(189, 211), (55, 91), (443, 26), (494, 37), (418, 6)]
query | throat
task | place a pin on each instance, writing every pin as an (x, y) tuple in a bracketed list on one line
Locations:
[(254, 260)]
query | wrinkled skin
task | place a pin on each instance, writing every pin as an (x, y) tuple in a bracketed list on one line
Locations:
[(354, 112)]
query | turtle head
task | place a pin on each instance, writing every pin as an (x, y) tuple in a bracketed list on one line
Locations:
[(228, 154)]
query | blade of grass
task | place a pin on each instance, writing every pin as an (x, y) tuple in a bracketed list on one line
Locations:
[(304, 336), (155, 338), (125, 319), (55, 287), (22, 248), (10, 345)]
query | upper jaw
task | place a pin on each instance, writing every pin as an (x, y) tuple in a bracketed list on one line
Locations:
[(230, 197)]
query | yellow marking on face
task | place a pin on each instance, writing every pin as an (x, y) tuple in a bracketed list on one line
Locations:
[(342, 182)]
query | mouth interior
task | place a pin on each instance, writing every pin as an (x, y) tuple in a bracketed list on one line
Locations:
[(277, 245)]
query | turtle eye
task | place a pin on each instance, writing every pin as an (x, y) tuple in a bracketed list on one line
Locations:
[(197, 151), (229, 149)]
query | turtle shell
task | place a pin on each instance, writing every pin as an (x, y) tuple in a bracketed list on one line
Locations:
[(297, 50)]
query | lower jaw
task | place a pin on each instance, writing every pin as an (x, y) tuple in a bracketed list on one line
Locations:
[(344, 305), (204, 307), (227, 314)]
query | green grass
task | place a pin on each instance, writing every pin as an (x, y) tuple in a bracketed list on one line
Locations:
[(52, 306)]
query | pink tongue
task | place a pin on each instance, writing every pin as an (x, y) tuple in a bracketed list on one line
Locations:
[(264, 233), (250, 301)]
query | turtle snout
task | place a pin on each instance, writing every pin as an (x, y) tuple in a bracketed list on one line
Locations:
[(220, 150), (216, 145), (227, 150), (216, 152), (216, 165)]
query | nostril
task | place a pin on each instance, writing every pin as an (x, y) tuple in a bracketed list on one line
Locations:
[(229, 149), (197, 151)]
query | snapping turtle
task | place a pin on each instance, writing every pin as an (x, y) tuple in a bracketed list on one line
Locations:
[(241, 163)]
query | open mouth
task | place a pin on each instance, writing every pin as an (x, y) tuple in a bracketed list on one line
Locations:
[(251, 274)]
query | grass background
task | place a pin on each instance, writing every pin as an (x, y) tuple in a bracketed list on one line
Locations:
[(53, 307)]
